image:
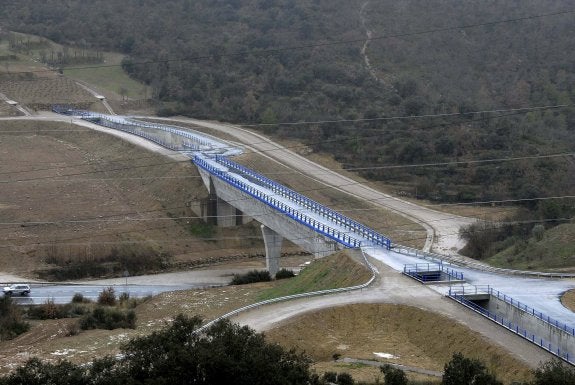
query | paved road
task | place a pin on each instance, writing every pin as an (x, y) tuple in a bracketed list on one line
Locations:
[(542, 294), (62, 294)]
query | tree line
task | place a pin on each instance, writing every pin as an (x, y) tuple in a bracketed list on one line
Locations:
[(227, 353)]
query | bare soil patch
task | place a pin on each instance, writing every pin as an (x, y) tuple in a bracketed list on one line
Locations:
[(415, 337), (568, 300)]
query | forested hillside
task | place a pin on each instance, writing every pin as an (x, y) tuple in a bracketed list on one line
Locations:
[(235, 60)]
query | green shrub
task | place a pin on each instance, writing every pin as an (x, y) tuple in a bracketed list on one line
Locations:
[(124, 297), (554, 372), (345, 379), (48, 310), (285, 273), (251, 277), (79, 298), (108, 318), (393, 376), (330, 377)]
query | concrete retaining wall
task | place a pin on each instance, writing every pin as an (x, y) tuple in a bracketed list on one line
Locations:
[(539, 329)]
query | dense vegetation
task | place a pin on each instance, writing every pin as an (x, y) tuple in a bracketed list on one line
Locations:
[(223, 354), (228, 353), (220, 59), (509, 65)]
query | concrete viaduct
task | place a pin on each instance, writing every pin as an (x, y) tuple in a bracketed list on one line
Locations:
[(238, 194)]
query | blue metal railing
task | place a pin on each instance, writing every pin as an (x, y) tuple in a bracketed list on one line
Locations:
[(514, 328), (353, 230), (419, 270), (533, 312), (349, 224), (342, 237), (194, 142)]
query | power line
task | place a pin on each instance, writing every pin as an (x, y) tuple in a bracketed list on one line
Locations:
[(407, 117), (318, 45), (358, 120), (362, 138), (459, 162), (503, 201)]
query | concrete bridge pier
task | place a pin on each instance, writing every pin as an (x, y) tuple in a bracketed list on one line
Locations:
[(273, 244)]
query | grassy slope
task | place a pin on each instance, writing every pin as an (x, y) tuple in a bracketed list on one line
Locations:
[(555, 251), (109, 79), (418, 338), (108, 179), (337, 270)]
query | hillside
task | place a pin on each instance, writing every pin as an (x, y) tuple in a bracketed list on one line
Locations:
[(78, 203), (529, 63), (273, 61), (554, 249), (410, 336)]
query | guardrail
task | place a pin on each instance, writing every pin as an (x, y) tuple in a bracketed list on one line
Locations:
[(416, 271), (439, 258), (514, 328), (196, 142), (295, 296), (351, 226)]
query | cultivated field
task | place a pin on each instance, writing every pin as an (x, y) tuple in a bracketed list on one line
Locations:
[(41, 93)]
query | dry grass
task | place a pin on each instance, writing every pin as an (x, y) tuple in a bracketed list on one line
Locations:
[(366, 373), (568, 300), (416, 337), (85, 185), (48, 341), (41, 93)]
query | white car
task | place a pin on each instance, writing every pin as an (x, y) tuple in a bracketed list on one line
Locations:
[(17, 288)]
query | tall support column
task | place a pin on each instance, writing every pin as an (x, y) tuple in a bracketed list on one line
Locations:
[(273, 242)]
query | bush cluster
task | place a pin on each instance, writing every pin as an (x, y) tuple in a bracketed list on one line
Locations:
[(285, 273), (251, 277), (108, 318), (51, 310), (11, 324)]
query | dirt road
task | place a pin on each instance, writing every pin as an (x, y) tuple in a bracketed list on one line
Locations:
[(442, 228)]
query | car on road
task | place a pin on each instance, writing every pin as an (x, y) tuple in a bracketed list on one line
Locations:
[(18, 288)]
